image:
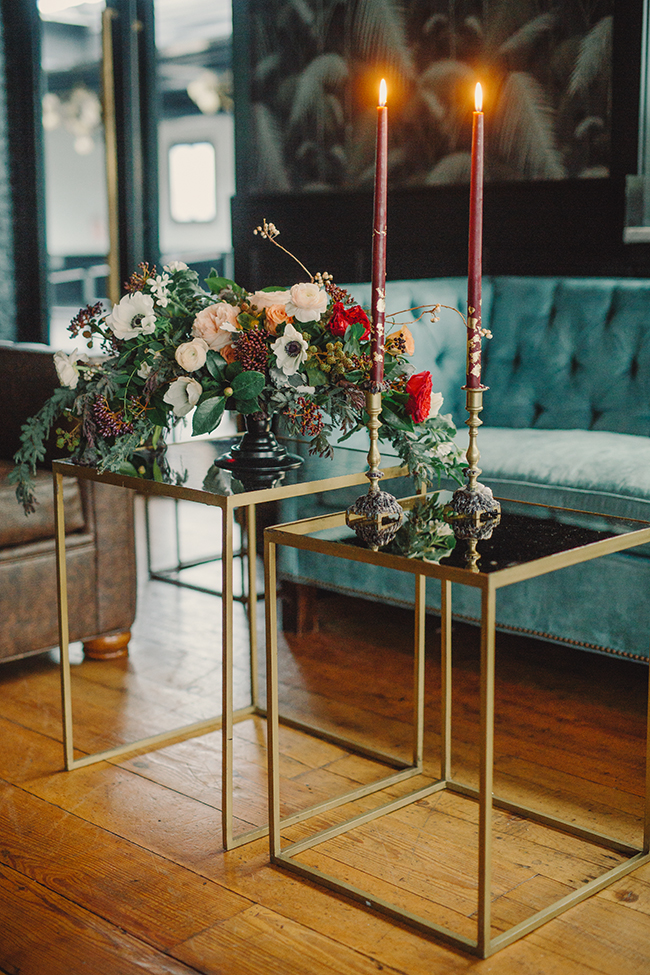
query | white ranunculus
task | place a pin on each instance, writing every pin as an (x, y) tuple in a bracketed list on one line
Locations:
[(444, 449), (307, 302), (191, 355), (67, 367), (175, 266), (290, 351), (266, 299), (183, 395), (436, 402), (133, 316)]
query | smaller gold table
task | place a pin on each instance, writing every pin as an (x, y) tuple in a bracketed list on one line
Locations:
[(187, 472), (529, 541)]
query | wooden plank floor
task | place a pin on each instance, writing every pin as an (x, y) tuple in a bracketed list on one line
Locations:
[(117, 868)]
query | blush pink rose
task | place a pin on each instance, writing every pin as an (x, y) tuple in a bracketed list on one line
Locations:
[(217, 324), (266, 299)]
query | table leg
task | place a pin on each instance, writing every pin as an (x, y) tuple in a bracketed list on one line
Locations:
[(646, 829), (272, 720), (486, 772), (445, 679), (227, 674), (418, 670), (64, 632), (251, 536)]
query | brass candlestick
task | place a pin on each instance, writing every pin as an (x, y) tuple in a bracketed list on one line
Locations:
[(376, 516), (473, 510)]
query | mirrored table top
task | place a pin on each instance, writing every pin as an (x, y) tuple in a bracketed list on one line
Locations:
[(187, 470), (526, 535)]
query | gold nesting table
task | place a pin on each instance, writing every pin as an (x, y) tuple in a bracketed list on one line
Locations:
[(187, 472), (529, 541)]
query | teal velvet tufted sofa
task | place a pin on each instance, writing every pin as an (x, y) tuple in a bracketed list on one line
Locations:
[(566, 423)]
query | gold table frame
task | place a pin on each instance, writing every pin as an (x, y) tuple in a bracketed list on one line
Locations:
[(228, 503), (300, 535)]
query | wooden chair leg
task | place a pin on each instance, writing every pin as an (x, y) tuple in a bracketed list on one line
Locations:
[(108, 647)]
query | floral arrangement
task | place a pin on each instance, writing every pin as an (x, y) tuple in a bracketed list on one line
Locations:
[(171, 347)]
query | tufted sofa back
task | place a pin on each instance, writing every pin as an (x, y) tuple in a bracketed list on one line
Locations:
[(567, 353)]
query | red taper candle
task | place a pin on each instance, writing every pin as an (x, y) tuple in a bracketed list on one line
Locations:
[(378, 298), (475, 261)]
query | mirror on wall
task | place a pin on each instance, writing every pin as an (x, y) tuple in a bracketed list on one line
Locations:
[(195, 144)]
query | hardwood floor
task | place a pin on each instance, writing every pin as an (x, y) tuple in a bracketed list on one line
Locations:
[(117, 868)]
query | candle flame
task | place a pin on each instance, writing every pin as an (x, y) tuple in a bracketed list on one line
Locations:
[(478, 98), (382, 92)]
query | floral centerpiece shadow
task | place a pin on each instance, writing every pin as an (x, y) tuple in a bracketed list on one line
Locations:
[(170, 347)]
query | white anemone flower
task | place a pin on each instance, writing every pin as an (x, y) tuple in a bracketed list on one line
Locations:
[(290, 351), (183, 395), (133, 316)]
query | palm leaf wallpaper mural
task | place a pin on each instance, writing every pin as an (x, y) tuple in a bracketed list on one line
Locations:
[(315, 67)]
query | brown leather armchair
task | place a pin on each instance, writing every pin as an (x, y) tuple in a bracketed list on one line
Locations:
[(100, 540)]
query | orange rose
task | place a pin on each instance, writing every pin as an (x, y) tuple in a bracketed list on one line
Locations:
[(228, 353), (276, 315)]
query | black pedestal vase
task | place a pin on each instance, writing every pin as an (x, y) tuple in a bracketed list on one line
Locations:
[(258, 452)]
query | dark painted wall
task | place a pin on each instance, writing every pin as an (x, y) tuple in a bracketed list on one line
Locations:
[(572, 227)]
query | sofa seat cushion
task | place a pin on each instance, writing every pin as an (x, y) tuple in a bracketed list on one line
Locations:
[(18, 529), (606, 473)]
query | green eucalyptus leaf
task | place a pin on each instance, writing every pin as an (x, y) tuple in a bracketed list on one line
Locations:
[(315, 376), (215, 363), (216, 283), (390, 418), (247, 405), (233, 369), (249, 384), (207, 415)]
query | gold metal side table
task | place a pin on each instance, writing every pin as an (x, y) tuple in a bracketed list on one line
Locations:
[(188, 473), (529, 541)]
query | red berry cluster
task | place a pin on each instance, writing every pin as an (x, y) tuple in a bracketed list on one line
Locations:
[(109, 423), (252, 350), (86, 319)]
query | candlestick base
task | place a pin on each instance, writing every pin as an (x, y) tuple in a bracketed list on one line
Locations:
[(375, 517), (473, 511)]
